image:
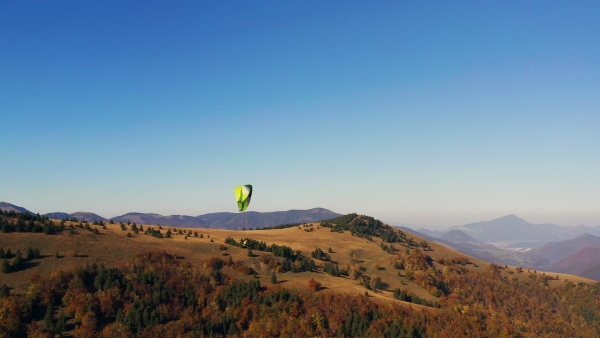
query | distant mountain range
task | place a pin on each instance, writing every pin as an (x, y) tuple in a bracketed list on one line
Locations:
[(460, 241), (516, 242), (513, 232), (220, 220), (514, 229)]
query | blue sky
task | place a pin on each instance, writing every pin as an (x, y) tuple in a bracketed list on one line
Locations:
[(435, 113)]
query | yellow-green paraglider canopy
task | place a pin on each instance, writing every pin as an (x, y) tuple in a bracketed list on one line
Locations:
[(243, 195)]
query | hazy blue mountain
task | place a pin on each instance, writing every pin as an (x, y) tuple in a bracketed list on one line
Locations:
[(155, 219), (512, 228), (58, 215), (5, 206), (230, 220), (560, 250), (432, 233), (457, 236), (87, 216), (80, 215), (253, 219)]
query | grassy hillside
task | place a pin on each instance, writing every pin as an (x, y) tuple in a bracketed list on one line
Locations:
[(362, 257)]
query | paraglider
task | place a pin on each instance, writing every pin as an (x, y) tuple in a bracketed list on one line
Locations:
[(242, 195)]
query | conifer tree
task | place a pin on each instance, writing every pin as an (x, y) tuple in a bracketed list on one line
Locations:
[(17, 261), (4, 291), (5, 266), (61, 323), (273, 278), (48, 321)]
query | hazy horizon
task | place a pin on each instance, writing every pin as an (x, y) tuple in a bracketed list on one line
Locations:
[(426, 113), (439, 222)]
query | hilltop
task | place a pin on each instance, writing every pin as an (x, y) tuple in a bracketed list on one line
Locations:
[(4, 206), (354, 257)]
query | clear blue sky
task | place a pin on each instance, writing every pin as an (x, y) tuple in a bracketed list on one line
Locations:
[(437, 112)]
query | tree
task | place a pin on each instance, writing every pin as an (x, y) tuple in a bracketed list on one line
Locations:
[(17, 261), (48, 319), (5, 266), (4, 291), (30, 254), (273, 278), (376, 283), (314, 285), (60, 325), (250, 253)]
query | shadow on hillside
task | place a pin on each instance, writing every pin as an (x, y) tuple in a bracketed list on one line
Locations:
[(28, 265)]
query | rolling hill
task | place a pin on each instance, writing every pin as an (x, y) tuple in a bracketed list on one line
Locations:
[(402, 281), (557, 251), (585, 263)]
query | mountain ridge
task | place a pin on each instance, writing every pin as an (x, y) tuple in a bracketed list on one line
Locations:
[(215, 220)]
